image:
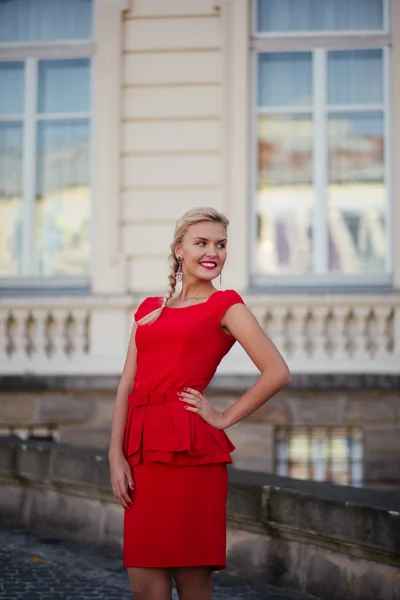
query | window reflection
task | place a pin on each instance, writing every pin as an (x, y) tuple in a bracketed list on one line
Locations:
[(10, 198), (285, 79), (45, 20), (64, 86), (11, 88), (63, 198), (285, 195), (317, 15), (350, 73), (356, 193), (333, 454)]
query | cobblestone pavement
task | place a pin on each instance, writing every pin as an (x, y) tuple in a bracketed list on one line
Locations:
[(35, 567)]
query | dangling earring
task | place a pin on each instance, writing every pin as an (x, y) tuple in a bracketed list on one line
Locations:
[(220, 279), (179, 274)]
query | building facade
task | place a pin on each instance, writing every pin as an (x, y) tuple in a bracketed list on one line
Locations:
[(116, 116)]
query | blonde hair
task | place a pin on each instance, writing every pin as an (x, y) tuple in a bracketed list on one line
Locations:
[(191, 217)]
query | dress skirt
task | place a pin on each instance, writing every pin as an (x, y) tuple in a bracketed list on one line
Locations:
[(177, 517)]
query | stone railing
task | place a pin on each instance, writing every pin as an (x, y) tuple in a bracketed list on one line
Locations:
[(327, 541), (316, 334), (67, 335), (329, 333)]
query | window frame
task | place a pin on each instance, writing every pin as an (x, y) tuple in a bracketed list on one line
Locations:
[(319, 44), (30, 54)]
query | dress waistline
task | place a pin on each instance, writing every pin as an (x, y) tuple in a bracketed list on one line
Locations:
[(139, 398)]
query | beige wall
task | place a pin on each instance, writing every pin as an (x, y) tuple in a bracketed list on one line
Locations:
[(172, 134)]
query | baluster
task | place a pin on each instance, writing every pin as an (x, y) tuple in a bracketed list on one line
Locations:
[(396, 332), (18, 334), (382, 315), (298, 336), (30, 326), (319, 315), (80, 340), (4, 355), (309, 326), (56, 332), (40, 334), (339, 331), (361, 346)]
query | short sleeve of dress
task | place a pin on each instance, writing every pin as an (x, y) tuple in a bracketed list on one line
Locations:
[(227, 299), (146, 307)]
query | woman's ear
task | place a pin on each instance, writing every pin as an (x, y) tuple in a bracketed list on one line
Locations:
[(178, 251)]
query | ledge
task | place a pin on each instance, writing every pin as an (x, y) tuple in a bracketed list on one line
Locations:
[(220, 383)]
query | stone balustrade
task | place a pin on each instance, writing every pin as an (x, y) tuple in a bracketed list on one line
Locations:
[(316, 333), (332, 542), (63, 335), (323, 333)]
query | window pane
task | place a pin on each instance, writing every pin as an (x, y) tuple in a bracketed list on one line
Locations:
[(285, 79), (285, 195), (10, 197), (63, 198), (45, 20), (64, 86), (319, 15), (320, 453), (11, 88), (356, 193), (355, 77)]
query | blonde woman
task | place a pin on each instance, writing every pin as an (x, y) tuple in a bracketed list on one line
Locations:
[(169, 450)]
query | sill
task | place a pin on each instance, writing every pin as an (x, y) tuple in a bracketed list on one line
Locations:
[(307, 289), (44, 286), (322, 284)]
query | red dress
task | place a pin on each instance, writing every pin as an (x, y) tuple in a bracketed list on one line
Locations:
[(178, 514)]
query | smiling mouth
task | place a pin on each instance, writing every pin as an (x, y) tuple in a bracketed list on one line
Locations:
[(209, 265)]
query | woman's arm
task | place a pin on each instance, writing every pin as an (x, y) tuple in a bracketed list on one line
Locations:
[(275, 374), (242, 324), (120, 469)]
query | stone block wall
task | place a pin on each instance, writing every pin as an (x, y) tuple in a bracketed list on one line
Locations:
[(80, 410), (333, 542)]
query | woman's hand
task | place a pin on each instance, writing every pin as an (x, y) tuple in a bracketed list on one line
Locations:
[(200, 405), (121, 473)]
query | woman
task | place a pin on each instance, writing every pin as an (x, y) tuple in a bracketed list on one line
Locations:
[(168, 450)]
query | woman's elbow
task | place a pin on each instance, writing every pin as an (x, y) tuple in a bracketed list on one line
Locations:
[(286, 376)]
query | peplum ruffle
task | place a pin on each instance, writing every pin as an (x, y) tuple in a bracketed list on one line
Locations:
[(159, 429)]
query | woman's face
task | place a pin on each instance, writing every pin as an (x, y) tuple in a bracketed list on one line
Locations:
[(203, 251)]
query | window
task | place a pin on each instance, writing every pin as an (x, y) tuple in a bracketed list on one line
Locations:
[(45, 74), (321, 167), (322, 454), (36, 433)]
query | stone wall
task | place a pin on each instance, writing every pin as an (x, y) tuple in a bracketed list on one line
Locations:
[(370, 403), (330, 541), (80, 409)]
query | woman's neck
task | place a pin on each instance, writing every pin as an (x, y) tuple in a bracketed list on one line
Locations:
[(196, 292)]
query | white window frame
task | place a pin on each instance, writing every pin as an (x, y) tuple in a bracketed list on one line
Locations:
[(30, 54), (320, 43)]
